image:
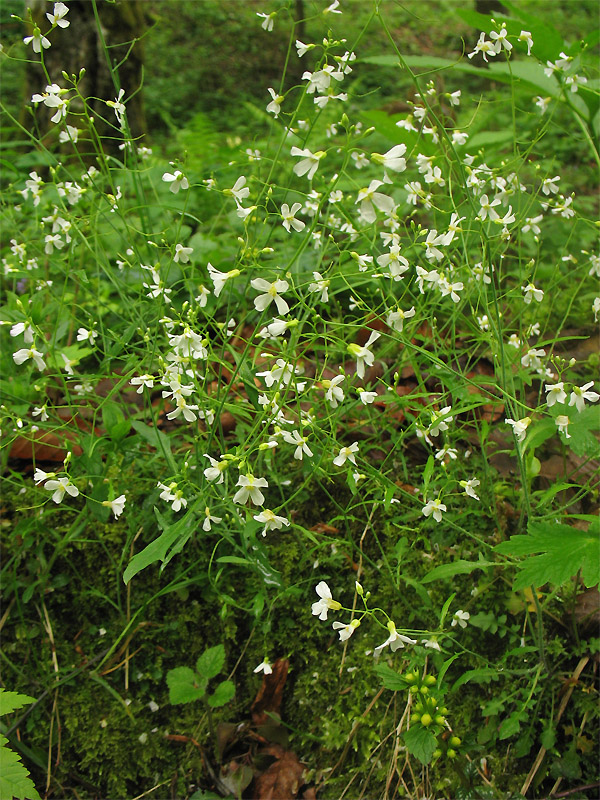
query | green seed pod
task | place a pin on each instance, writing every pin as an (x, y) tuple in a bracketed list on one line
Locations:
[(439, 720), (424, 690), (455, 741), (410, 677), (413, 689), (443, 710), (426, 720), (451, 753), (430, 680), (414, 718), (437, 753)]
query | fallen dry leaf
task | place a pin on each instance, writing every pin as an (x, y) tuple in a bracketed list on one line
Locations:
[(270, 694), (283, 779)]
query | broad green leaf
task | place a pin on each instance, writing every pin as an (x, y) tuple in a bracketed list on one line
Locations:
[(561, 551), (583, 442), (390, 678), (211, 661), (420, 743), (185, 685), (157, 550), (460, 567), (483, 675), (222, 694), (155, 438), (14, 776), (114, 421), (511, 725), (10, 701)]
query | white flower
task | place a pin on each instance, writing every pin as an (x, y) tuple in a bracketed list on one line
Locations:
[(434, 507), (209, 519), (454, 98), (580, 394), (300, 442), (289, 217), (310, 161), (333, 8), (487, 208), (40, 475), (532, 357), (171, 494), (182, 254), (219, 279), (562, 423), (469, 487), (141, 381), (346, 454), (23, 355), (542, 103), (37, 41), (274, 106), (395, 640), (250, 488), (519, 427), (460, 618), (362, 354), (83, 335), (303, 48), (116, 506), (267, 23), (216, 469), (264, 666), (392, 159), (575, 81), (322, 606), (395, 319), (440, 420), (60, 487), (320, 285), (366, 398), (24, 328), (271, 520), (485, 48), (57, 17), (177, 180), (431, 643), (596, 308), (333, 394), (239, 191), (500, 39), (525, 36), (555, 393), (345, 631), (41, 412), (369, 199), (271, 292), (532, 292)]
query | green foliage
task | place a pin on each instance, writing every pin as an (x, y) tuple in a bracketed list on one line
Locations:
[(562, 551), (185, 685), (14, 777)]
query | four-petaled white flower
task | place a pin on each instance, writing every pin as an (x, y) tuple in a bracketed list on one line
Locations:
[(346, 454), (519, 427), (395, 319), (562, 423), (531, 292), (182, 254), (460, 618), (117, 505), (57, 17), (435, 508), (271, 521), (209, 519), (264, 666), (250, 488), (274, 106), (310, 161), (322, 606), (370, 199), (37, 41), (345, 631), (177, 180), (334, 394), (362, 354), (469, 487), (555, 393), (395, 640), (525, 36), (581, 393), (30, 353), (267, 20), (60, 487), (271, 293), (288, 216)]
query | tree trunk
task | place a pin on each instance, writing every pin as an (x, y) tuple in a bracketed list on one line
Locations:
[(81, 46)]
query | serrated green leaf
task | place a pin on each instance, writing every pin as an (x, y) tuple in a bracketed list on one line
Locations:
[(390, 678), (583, 442), (511, 725), (10, 701), (420, 743), (117, 427), (211, 661), (185, 685), (562, 552), (14, 776), (459, 567), (222, 694)]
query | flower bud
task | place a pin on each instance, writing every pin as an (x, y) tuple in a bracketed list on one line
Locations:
[(426, 720), (455, 741)]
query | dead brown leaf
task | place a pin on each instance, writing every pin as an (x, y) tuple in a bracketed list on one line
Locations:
[(270, 694), (283, 779)]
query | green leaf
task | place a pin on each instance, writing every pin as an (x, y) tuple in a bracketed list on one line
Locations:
[(185, 685), (445, 608), (548, 738), (157, 550), (223, 694), (483, 675), (114, 421), (562, 552), (583, 442), (390, 678), (10, 701), (211, 661), (14, 776), (420, 743), (511, 725), (155, 438), (460, 567)]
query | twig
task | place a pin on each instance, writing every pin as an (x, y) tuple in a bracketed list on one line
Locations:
[(563, 704)]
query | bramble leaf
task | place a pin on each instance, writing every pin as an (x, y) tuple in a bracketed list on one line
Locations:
[(211, 661), (14, 777), (420, 743)]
